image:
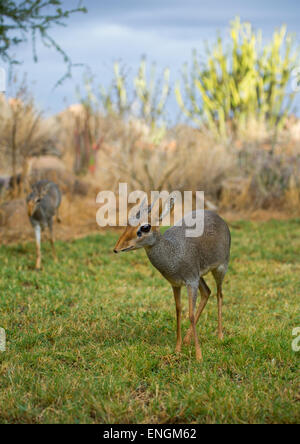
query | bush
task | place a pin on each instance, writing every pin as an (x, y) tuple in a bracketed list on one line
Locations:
[(146, 100), (244, 81), (24, 133)]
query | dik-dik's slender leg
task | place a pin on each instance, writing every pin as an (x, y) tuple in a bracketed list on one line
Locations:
[(219, 274), (220, 301), (205, 292), (192, 292), (52, 241), (37, 230), (177, 297)]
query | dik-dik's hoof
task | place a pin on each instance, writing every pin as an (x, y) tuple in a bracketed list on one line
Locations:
[(178, 348), (199, 356)]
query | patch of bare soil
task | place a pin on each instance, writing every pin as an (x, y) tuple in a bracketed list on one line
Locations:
[(77, 211), (78, 218)]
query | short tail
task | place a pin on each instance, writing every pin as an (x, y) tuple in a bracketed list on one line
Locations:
[(58, 219)]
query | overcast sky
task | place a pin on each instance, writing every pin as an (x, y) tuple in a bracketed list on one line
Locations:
[(166, 31)]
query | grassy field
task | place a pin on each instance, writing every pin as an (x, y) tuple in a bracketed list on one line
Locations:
[(91, 339)]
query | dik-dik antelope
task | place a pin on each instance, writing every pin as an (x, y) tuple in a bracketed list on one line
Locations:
[(42, 204), (184, 260)]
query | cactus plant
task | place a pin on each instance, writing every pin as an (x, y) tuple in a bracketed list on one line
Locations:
[(146, 100), (151, 94), (245, 80)]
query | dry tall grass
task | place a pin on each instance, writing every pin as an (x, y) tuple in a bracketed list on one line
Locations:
[(250, 171), (24, 134)]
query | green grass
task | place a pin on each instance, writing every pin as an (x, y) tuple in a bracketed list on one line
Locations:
[(91, 339)]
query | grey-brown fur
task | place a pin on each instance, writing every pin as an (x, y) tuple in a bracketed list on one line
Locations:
[(43, 203), (183, 260)]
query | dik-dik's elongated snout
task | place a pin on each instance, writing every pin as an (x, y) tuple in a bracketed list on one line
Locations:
[(134, 238), (30, 208), (127, 241), (32, 204)]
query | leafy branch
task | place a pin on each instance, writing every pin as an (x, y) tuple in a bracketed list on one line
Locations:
[(33, 19)]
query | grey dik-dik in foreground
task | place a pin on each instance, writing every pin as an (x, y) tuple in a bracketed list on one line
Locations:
[(42, 204), (184, 260)]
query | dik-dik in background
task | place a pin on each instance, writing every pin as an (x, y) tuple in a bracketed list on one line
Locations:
[(42, 205)]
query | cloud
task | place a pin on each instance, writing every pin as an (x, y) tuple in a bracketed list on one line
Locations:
[(166, 31)]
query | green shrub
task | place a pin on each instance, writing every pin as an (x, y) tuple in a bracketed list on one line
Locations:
[(145, 100), (246, 79)]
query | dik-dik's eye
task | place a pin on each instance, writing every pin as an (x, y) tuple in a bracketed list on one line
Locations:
[(143, 229)]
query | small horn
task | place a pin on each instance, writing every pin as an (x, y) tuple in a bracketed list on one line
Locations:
[(167, 207), (142, 209)]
